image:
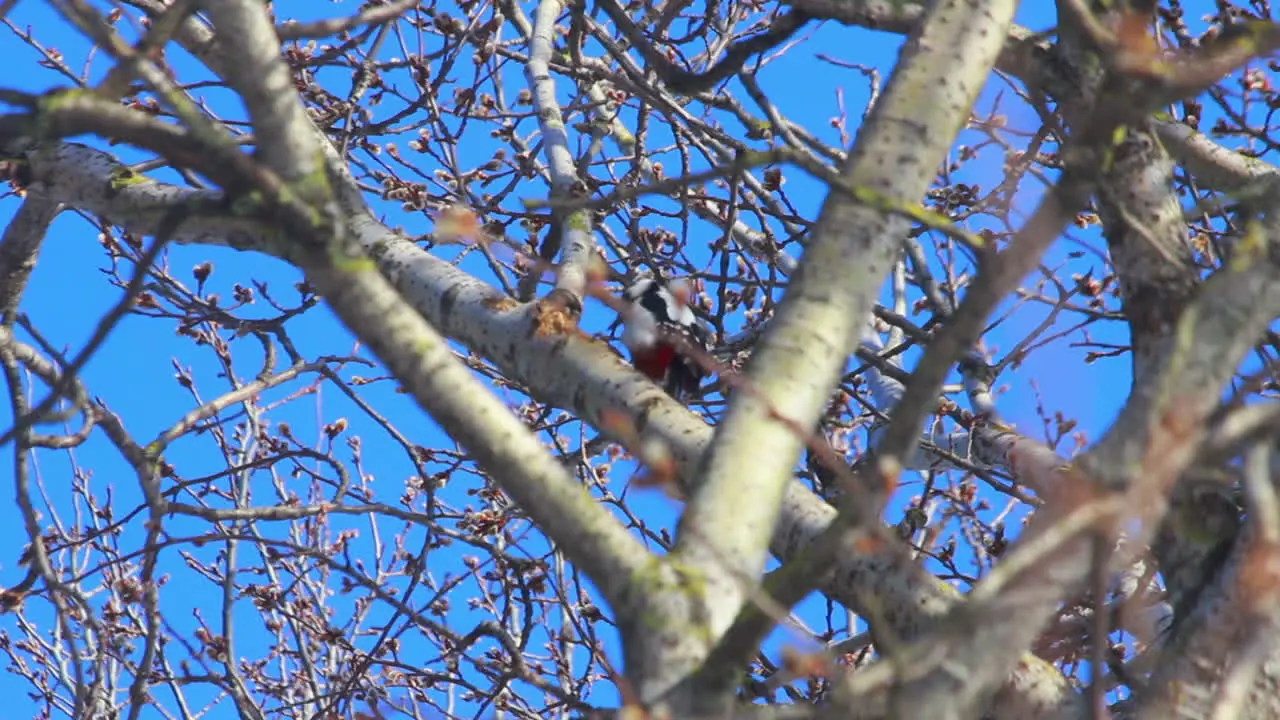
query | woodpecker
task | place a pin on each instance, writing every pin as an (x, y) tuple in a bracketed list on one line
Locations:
[(660, 330)]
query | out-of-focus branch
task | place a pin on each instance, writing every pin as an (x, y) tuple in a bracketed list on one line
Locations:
[(892, 17), (62, 114), (376, 15), (1143, 223), (286, 139), (1121, 482), (1235, 623), (42, 368), (747, 712), (19, 247), (1211, 164), (731, 516)]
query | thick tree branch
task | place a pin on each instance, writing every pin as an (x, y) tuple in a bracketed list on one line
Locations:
[(19, 247), (1211, 164), (1234, 625), (470, 412), (376, 15), (731, 515), (286, 140), (1122, 482)]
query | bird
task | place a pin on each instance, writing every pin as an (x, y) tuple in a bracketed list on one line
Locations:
[(664, 336)]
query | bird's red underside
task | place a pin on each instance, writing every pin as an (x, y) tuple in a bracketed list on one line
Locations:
[(655, 361)]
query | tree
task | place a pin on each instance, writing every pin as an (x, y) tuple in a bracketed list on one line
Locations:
[(296, 542)]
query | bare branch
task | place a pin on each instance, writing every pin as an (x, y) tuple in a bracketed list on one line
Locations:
[(287, 142), (571, 236)]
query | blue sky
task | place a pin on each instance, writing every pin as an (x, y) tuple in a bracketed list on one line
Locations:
[(134, 372)]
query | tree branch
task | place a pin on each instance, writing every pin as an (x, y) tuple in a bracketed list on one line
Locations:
[(1120, 483), (575, 242), (683, 82), (820, 321), (286, 138)]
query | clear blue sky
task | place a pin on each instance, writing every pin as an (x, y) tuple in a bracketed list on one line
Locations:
[(134, 371)]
